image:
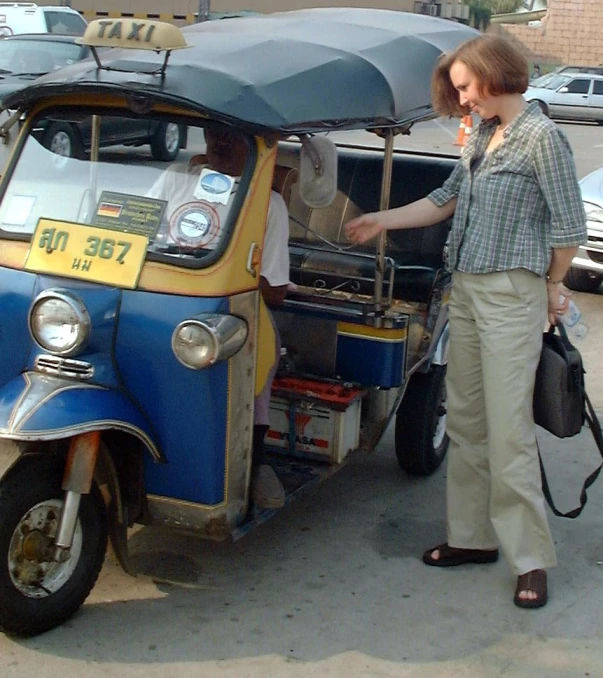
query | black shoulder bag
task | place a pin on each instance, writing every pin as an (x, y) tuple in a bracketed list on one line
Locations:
[(561, 404)]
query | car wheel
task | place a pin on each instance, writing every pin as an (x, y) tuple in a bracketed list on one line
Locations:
[(166, 141), (63, 140), (544, 108), (581, 280)]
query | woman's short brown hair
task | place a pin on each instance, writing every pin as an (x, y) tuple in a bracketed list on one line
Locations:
[(497, 64)]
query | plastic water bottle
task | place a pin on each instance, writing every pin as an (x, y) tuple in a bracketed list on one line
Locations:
[(572, 320), (286, 363)]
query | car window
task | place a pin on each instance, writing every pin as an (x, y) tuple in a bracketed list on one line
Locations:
[(578, 86), (65, 22), (598, 87), (36, 56)]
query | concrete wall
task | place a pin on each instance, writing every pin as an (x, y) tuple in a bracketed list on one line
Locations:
[(571, 33)]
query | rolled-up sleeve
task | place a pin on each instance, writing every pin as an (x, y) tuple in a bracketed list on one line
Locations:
[(450, 188), (556, 175)]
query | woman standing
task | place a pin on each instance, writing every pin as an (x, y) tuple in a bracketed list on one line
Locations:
[(518, 220)]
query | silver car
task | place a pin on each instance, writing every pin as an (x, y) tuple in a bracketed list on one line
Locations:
[(586, 273), (570, 96)]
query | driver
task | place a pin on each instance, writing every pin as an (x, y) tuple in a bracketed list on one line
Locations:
[(181, 186)]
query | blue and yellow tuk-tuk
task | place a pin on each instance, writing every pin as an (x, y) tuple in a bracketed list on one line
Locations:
[(132, 349)]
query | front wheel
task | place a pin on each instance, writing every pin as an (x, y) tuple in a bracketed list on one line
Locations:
[(38, 593), (421, 438), (581, 280), (543, 107), (166, 141)]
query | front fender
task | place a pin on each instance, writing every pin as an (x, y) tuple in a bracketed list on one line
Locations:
[(41, 407)]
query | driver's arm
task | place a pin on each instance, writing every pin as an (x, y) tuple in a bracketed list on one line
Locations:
[(274, 272)]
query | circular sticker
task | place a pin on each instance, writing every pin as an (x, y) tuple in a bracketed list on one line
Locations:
[(215, 183), (195, 224), (5, 31)]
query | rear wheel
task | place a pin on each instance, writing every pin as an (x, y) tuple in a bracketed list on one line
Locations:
[(38, 593), (166, 141), (421, 439), (581, 280), (63, 140)]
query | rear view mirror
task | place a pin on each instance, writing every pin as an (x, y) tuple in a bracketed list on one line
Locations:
[(317, 171)]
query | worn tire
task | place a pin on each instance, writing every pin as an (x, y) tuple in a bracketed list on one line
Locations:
[(421, 439), (166, 142), (33, 483), (581, 280)]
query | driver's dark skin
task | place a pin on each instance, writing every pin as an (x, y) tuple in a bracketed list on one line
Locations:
[(226, 153)]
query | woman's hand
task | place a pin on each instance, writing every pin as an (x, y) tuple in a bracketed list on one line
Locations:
[(559, 297), (364, 228)]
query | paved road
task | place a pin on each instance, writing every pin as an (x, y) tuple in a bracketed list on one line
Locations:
[(333, 586)]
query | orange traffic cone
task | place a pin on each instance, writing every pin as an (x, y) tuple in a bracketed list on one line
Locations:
[(460, 137), (468, 128)]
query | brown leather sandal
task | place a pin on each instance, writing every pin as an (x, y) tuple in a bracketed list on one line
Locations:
[(451, 556), (532, 581)]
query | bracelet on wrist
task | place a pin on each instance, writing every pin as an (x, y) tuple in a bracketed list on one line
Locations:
[(550, 281)]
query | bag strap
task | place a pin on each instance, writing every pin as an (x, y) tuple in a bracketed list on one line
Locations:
[(595, 427)]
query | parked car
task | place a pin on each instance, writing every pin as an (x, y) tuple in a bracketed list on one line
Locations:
[(27, 17), (586, 273), (575, 96), (24, 58)]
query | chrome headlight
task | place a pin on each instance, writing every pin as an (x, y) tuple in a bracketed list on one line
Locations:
[(207, 338), (593, 212), (59, 322)]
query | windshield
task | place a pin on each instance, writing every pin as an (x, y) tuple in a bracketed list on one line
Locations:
[(36, 56), (557, 81), (183, 210)]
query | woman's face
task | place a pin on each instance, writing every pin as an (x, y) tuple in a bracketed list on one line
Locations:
[(467, 85)]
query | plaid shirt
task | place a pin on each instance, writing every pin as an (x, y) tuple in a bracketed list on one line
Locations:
[(516, 202)]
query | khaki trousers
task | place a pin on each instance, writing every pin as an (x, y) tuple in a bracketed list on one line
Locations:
[(494, 493)]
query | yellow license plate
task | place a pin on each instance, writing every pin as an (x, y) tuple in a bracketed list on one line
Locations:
[(86, 252)]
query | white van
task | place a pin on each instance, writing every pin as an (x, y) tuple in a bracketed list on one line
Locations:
[(27, 17)]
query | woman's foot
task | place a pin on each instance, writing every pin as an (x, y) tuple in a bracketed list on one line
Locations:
[(449, 556), (531, 589)]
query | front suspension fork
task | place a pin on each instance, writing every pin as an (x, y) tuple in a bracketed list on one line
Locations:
[(77, 480)]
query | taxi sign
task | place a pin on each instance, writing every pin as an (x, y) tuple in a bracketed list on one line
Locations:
[(87, 253), (158, 36)]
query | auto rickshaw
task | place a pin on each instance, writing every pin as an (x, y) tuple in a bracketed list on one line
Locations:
[(132, 349)]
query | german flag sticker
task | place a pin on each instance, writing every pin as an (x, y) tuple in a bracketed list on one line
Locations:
[(109, 209)]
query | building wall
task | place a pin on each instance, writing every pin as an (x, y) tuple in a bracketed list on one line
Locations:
[(571, 33)]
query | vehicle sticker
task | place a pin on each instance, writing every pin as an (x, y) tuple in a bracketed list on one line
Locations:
[(214, 186), (87, 252), (18, 210), (129, 213), (5, 31), (196, 224)]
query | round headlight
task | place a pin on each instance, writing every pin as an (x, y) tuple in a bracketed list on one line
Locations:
[(202, 341), (59, 322), (194, 345)]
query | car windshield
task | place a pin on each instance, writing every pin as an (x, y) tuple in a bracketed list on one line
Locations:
[(36, 56), (184, 209), (557, 81)]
